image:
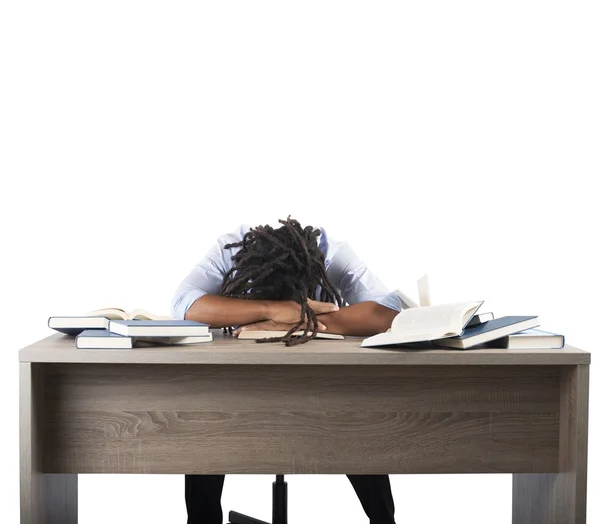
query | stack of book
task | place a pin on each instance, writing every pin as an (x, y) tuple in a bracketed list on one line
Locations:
[(509, 332), (460, 326), (114, 328)]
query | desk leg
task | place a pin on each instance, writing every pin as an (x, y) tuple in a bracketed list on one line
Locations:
[(560, 498), (45, 498)]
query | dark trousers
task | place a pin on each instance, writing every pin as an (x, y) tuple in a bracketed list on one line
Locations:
[(203, 498)]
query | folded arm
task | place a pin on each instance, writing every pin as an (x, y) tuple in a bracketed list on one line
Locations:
[(218, 311), (362, 320)]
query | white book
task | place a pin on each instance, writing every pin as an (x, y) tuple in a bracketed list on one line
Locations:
[(533, 339), (73, 325), (420, 324), (255, 334)]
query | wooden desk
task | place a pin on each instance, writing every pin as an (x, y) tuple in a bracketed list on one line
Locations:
[(235, 406)]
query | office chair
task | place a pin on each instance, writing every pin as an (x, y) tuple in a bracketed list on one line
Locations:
[(279, 506)]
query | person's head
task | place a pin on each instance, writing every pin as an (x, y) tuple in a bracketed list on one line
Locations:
[(281, 264)]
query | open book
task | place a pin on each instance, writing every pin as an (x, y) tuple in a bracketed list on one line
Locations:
[(120, 314), (420, 324)]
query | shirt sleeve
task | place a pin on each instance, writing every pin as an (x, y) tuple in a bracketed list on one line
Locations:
[(207, 276), (356, 282)]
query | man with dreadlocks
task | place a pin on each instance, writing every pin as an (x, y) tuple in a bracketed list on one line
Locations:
[(288, 278)]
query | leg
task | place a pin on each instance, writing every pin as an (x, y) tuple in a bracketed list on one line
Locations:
[(375, 495), (45, 499), (560, 498), (203, 498)]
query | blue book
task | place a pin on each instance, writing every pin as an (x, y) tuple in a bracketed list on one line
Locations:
[(488, 331), (105, 339), (75, 325), (158, 328), (102, 339)]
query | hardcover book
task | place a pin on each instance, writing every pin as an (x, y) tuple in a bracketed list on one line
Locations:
[(158, 328), (419, 324), (104, 339), (488, 331), (531, 339)]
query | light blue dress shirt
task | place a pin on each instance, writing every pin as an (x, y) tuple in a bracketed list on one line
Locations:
[(346, 271)]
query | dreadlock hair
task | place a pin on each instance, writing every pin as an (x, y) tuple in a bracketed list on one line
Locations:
[(282, 264)]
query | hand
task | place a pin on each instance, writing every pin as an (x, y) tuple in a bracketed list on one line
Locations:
[(288, 311), (271, 325)]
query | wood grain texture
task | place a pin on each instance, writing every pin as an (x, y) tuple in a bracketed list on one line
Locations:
[(104, 387), (45, 499), (230, 350), (171, 442), (301, 419), (560, 498)]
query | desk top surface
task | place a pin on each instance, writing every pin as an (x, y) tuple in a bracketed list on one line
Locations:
[(226, 349)]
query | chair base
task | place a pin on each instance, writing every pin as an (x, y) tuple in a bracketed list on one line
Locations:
[(238, 518), (279, 506)]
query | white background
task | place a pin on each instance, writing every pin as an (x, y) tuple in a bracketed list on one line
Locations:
[(459, 138)]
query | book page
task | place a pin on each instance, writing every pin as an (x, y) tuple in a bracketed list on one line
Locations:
[(142, 314), (424, 292), (120, 314), (405, 298), (435, 321), (110, 312)]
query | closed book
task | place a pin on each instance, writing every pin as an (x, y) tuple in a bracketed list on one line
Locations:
[(158, 328), (419, 324), (104, 339), (251, 334), (488, 331), (175, 341), (74, 325), (532, 339), (98, 319)]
